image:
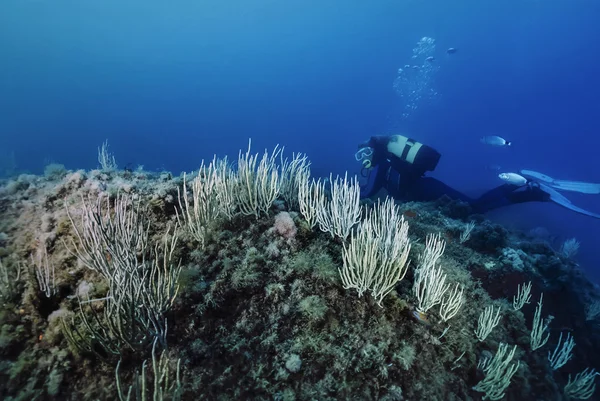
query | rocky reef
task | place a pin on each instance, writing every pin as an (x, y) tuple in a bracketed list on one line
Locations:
[(257, 309)]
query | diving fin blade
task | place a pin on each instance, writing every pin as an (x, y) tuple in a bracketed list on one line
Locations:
[(555, 195), (563, 185), (539, 176), (577, 186), (577, 209), (559, 199)]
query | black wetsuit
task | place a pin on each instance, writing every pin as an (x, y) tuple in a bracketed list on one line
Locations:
[(415, 186)]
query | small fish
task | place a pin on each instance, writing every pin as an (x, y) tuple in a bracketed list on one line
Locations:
[(451, 50), (513, 178), (415, 67), (493, 167), (495, 140), (421, 317), (430, 59)]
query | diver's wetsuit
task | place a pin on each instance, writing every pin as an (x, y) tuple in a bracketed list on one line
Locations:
[(408, 185)]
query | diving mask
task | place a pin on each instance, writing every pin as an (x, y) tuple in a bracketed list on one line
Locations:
[(364, 156)]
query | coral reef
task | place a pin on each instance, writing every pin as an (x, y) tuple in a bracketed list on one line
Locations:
[(261, 312)]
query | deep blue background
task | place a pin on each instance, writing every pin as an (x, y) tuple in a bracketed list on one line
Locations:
[(170, 83)]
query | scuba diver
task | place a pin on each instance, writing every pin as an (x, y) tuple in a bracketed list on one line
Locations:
[(398, 164)]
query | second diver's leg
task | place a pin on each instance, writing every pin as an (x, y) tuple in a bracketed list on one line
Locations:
[(508, 194)]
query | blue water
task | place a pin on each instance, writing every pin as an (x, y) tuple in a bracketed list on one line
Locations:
[(171, 83)]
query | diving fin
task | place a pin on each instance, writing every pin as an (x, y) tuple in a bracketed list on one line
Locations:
[(577, 186), (536, 175), (559, 199), (555, 195), (564, 185), (580, 210)]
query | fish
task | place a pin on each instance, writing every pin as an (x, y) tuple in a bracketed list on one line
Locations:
[(451, 50), (495, 140), (430, 59), (421, 317), (513, 178)]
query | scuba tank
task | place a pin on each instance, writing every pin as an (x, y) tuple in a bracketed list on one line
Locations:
[(406, 158), (407, 154), (404, 153)]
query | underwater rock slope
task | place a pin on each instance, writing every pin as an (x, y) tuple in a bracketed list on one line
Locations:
[(250, 280)]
